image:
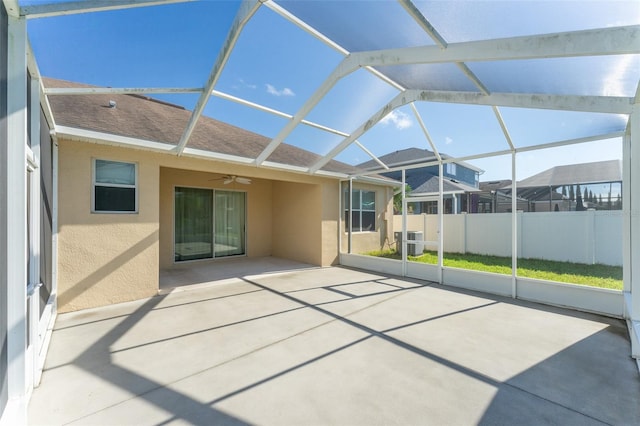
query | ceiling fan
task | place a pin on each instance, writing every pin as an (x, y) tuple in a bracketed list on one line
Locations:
[(227, 179)]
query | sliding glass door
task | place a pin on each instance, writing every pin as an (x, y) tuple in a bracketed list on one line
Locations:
[(193, 224), (208, 223), (229, 223)]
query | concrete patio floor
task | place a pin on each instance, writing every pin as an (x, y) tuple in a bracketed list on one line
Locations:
[(335, 346)]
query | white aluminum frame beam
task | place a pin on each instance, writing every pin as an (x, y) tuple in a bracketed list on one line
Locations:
[(73, 91), (631, 269), (458, 160), (12, 7), (34, 222), (247, 9), (440, 198), (67, 91), (344, 68), (304, 26), (33, 68), (440, 221), (427, 135), (423, 22), (560, 102), (514, 226), (631, 205), (440, 41), (503, 126), (603, 104), (615, 105), (324, 39), (395, 103), (404, 223), (14, 202), (253, 105), (514, 203), (626, 214), (46, 10), (575, 141), (276, 112), (598, 42), (371, 154)]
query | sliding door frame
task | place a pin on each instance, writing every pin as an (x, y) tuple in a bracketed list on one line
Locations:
[(213, 219)]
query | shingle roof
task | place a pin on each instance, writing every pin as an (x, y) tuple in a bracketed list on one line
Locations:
[(145, 118), (495, 185), (431, 186), (409, 156), (401, 157), (597, 172)]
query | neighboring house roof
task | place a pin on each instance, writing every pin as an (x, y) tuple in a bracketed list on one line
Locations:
[(540, 195), (432, 187), (141, 117), (402, 157), (584, 173), (408, 156), (495, 185)]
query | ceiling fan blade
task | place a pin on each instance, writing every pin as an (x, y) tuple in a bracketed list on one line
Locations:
[(243, 180)]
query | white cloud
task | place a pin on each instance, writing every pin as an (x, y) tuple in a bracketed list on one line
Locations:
[(448, 140), (244, 85), (275, 92), (399, 119)]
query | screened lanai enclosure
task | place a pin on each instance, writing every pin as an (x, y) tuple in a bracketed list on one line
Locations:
[(498, 85)]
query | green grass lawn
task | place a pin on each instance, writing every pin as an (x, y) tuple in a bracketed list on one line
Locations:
[(603, 276)]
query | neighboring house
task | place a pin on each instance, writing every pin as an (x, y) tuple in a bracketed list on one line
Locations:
[(495, 197), (596, 185), (130, 207), (460, 180)]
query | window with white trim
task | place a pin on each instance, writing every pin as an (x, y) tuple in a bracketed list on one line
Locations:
[(114, 187), (363, 210)]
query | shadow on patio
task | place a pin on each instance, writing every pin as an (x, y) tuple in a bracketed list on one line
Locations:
[(336, 346)]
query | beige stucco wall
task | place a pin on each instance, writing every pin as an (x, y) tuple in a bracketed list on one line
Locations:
[(104, 258), (111, 258), (304, 222), (330, 226), (363, 242)]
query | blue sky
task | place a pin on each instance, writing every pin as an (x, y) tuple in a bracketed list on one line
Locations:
[(278, 65)]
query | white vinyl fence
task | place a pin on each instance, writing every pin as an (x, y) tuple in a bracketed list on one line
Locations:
[(583, 237)]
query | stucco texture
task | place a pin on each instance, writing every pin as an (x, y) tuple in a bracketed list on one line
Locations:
[(111, 258), (297, 222), (104, 258)]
